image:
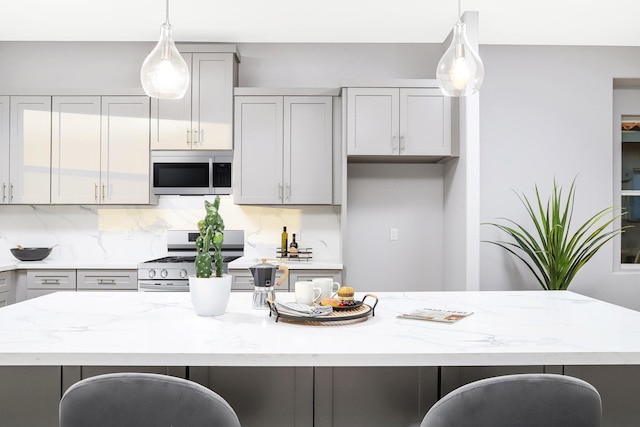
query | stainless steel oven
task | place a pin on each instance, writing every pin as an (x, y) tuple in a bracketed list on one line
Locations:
[(171, 273), (192, 172)]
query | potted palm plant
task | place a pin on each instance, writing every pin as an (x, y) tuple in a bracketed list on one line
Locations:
[(210, 288), (552, 251)]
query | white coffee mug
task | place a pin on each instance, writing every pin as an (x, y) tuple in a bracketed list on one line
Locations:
[(307, 292), (327, 286)]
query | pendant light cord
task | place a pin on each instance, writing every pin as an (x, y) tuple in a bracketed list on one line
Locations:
[(459, 13), (167, 19)]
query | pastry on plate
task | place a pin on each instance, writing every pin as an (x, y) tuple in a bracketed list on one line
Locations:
[(345, 296)]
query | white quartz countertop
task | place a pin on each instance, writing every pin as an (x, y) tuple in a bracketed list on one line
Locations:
[(58, 264), (136, 328), (247, 261), (126, 264)]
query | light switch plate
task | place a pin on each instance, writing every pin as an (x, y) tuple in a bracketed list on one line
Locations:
[(393, 233)]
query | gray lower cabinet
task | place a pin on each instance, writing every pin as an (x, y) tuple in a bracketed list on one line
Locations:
[(7, 289), (373, 396), (107, 280), (302, 275), (43, 282), (29, 396), (263, 397), (619, 387), (242, 280)]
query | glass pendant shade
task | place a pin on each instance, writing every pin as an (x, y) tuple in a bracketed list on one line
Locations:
[(460, 71), (164, 73)]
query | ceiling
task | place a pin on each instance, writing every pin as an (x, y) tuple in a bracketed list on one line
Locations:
[(531, 22)]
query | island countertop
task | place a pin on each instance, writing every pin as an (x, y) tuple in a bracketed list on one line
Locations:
[(161, 329)]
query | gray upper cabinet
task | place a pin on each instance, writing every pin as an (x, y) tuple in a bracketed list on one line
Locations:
[(25, 149), (203, 119), (100, 150), (283, 150), (5, 162), (396, 122)]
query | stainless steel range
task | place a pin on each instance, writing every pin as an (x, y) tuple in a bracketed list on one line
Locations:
[(172, 272)]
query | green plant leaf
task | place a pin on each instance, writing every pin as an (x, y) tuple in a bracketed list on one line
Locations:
[(552, 252)]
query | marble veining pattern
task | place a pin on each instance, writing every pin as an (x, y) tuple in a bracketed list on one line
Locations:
[(88, 233), (507, 328)]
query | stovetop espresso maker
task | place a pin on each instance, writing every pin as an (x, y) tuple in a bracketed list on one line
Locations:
[(264, 280)]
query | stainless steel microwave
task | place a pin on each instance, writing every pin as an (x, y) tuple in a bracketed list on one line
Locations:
[(191, 172)]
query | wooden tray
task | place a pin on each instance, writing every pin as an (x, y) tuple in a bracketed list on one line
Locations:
[(344, 315)]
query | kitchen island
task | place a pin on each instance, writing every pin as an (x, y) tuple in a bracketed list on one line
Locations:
[(391, 368)]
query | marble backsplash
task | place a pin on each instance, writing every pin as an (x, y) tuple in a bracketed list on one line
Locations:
[(138, 233)]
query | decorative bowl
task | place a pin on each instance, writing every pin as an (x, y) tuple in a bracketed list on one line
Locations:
[(31, 254)]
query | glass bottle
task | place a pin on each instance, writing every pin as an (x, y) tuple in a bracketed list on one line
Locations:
[(284, 242), (293, 247)]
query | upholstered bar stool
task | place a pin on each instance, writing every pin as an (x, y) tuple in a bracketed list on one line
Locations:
[(521, 400), (143, 400)]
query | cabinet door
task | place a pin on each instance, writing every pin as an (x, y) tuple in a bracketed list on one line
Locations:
[(212, 101), (258, 150), (125, 150), (75, 149), (372, 121), (425, 117), (243, 281), (107, 280), (171, 120), (4, 149), (30, 149), (308, 150), (7, 289), (303, 275)]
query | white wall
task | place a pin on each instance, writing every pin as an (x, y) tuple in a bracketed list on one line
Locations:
[(409, 198), (545, 113)]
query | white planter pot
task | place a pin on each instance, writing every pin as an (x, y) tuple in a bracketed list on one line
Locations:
[(210, 296)]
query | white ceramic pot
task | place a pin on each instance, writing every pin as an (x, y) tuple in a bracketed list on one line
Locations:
[(210, 295)]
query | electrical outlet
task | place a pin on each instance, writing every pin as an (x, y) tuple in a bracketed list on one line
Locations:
[(129, 234), (393, 233)]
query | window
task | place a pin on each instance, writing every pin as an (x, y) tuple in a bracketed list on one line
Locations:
[(630, 189)]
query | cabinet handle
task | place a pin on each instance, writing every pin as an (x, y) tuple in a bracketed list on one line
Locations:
[(280, 191), (11, 193), (201, 136), (106, 281), (95, 192), (195, 136), (288, 191), (188, 136), (394, 143), (4, 192), (402, 143), (50, 281), (103, 192)]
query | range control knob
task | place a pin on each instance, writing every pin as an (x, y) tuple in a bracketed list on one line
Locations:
[(152, 274), (163, 273), (183, 273)]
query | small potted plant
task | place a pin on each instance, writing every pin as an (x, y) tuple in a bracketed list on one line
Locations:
[(210, 288)]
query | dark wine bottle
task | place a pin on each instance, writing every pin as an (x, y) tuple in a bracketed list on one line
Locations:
[(293, 248)]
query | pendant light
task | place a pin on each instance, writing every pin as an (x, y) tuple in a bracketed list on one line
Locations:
[(460, 71), (164, 73)]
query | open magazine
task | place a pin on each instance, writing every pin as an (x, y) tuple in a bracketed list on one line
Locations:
[(436, 315)]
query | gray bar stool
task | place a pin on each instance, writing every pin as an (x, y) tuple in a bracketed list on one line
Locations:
[(143, 400), (521, 400)]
